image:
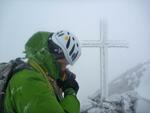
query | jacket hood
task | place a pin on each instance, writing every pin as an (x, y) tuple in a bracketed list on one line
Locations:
[(36, 49)]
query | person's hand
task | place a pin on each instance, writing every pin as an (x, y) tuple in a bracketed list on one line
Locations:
[(69, 75), (69, 83)]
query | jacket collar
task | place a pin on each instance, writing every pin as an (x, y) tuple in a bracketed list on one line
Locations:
[(45, 63)]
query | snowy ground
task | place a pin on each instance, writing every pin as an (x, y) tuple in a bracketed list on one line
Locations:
[(123, 98)]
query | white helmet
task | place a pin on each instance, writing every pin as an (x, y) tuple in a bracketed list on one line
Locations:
[(69, 45)]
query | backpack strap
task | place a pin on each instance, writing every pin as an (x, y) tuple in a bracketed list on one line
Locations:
[(51, 80)]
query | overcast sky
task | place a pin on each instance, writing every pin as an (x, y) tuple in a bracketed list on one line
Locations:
[(126, 20)]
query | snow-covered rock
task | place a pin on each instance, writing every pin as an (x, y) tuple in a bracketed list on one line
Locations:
[(122, 95)]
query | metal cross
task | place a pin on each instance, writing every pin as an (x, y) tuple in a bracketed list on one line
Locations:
[(103, 44)]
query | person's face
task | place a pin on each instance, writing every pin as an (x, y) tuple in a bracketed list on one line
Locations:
[(63, 63)]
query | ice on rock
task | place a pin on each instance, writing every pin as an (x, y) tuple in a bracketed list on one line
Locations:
[(123, 97)]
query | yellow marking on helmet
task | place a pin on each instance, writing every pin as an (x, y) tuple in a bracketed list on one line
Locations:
[(66, 37)]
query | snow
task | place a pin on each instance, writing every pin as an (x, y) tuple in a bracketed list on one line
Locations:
[(123, 97)]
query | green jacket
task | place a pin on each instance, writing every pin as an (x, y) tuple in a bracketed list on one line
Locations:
[(30, 90)]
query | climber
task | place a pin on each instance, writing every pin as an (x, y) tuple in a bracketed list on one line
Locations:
[(46, 86)]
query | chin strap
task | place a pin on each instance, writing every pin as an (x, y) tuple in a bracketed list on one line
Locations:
[(51, 81)]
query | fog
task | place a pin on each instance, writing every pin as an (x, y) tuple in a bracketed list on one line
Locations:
[(126, 20)]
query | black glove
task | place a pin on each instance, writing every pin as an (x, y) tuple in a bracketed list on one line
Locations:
[(69, 74), (69, 82)]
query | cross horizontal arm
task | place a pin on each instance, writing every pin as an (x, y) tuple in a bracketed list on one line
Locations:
[(110, 43)]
